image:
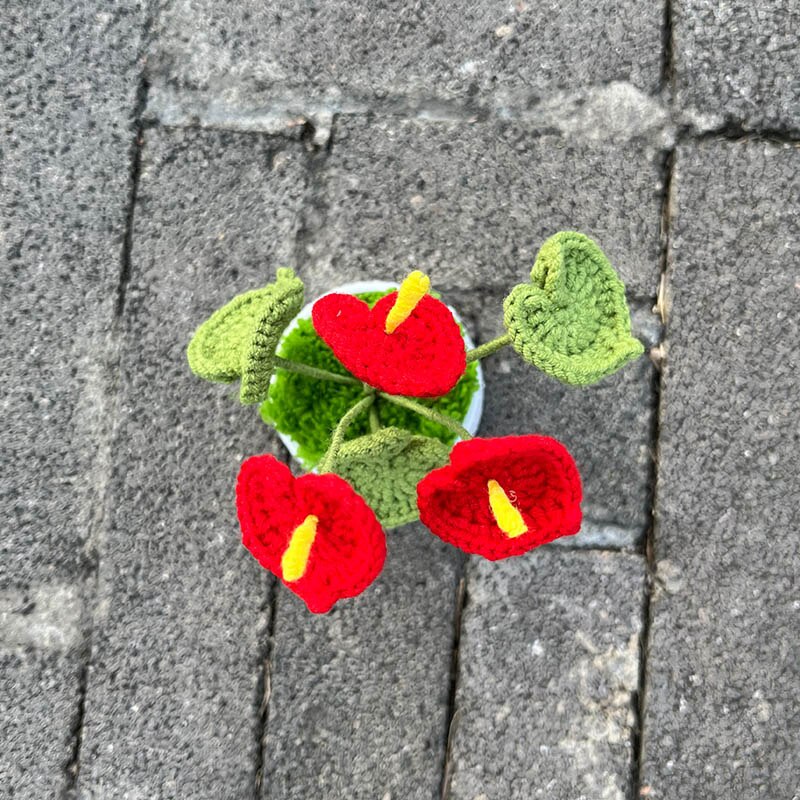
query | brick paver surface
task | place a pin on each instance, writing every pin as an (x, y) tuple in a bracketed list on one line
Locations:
[(724, 662), (549, 669), (181, 625), (67, 103), (157, 157)]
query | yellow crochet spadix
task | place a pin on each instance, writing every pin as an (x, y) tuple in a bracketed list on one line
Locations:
[(295, 557), (508, 519), (411, 291)]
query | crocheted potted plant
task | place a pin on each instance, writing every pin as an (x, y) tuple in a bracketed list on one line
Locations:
[(378, 394)]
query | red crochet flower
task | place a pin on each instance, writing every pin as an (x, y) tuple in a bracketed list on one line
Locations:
[(423, 357), (502, 497), (314, 532)]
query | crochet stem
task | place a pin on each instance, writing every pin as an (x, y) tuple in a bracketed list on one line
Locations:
[(314, 372), (374, 419), (341, 429), (428, 413), (488, 348)]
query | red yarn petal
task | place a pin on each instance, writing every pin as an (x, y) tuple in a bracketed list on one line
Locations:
[(349, 548), (424, 357), (537, 473)]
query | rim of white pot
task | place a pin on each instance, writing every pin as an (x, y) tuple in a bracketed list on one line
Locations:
[(472, 419)]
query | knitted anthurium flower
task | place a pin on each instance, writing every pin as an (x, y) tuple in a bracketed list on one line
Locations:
[(239, 339), (315, 533), (407, 344), (571, 321), (502, 497)]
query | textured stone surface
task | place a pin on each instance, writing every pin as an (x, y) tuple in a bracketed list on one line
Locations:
[(359, 697), (180, 634), (65, 142), (608, 428), (352, 54), (738, 61), (472, 203), (39, 708), (548, 669), (64, 176), (723, 669), (40, 663)]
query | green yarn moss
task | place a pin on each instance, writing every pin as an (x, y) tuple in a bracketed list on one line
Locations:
[(308, 410)]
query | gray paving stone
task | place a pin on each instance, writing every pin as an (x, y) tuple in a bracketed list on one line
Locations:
[(40, 663), (738, 62), (549, 663), (472, 203), (39, 707), (180, 634), (255, 59), (65, 128), (359, 696), (723, 676), (608, 428), (64, 175)]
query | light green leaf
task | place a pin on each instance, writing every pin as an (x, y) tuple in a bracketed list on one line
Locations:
[(239, 340), (572, 320), (385, 467)]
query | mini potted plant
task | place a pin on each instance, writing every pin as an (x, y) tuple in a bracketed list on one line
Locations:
[(377, 392)]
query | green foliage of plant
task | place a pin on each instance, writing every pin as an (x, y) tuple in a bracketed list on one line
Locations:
[(572, 321), (239, 339), (385, 468), (308, 410)]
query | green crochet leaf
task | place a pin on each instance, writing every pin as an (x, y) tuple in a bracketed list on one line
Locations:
[(572, 321), (239, 340), (385, 467)]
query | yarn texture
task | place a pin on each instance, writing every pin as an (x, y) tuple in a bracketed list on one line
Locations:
[(385, 467), (239, 339), (316, 527), (308, 409), (572, 320), (460, 502), (411, 291), (372, 390), (423, 357)]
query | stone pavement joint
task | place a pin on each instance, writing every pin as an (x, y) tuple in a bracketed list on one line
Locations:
[(44, 617), (667, 47), (265, 686), (314, 210), (658, 355), (135, 169), (603, 535), (455, 666), (614, 112)]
